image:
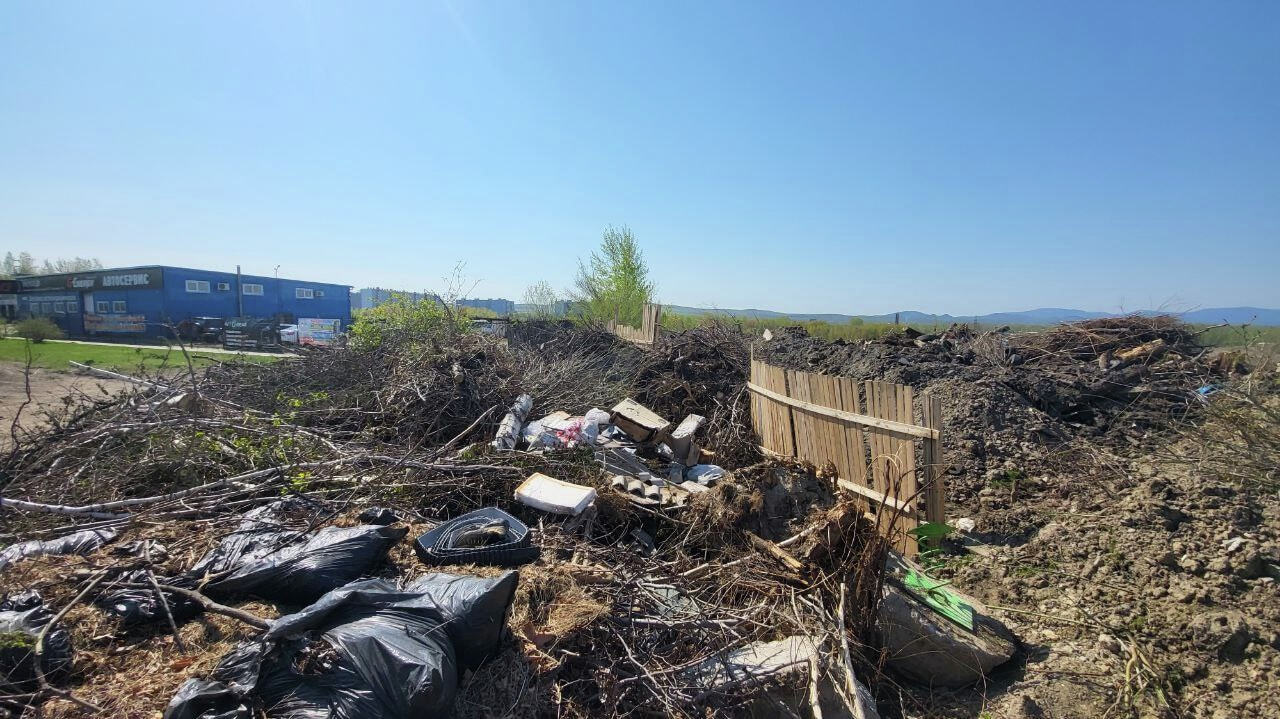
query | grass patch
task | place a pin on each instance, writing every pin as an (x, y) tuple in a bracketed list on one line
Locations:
[(56, 355)]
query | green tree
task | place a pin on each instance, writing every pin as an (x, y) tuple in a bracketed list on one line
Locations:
[(614, 281), (542, 299), (25, 264)]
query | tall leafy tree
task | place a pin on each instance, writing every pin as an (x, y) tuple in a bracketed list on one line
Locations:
[(614, 281)]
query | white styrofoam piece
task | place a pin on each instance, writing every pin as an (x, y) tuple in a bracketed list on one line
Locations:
[(553, 495)]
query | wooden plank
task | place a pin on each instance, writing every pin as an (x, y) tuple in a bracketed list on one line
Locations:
[(906, 487), (779, 437), (904, 449), (822, 424), (879, 472), (783, 414), (871, 494), (833, 430), (935, 471), (854, 446), (808, 446), (759, 411), (889, 426)]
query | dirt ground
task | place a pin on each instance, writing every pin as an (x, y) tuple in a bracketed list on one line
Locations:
[(1141, 583), (48, 391)]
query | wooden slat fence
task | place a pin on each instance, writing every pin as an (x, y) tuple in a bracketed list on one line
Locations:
[(647, 332), (867, 434)]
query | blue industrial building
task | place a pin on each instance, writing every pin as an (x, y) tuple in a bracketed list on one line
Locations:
[(141, 302)]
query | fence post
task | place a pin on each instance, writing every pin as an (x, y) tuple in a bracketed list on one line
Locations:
[(935, 494)]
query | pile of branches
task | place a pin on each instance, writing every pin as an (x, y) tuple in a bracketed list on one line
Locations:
[(1129, 374), (659, 593), (1088, 340), (704, 371)]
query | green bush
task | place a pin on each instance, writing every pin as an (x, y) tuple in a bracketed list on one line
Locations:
[(38, 329), (405, 321)]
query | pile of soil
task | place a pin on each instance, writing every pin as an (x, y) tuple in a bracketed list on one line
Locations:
[(1011, 402), (1142, 582)]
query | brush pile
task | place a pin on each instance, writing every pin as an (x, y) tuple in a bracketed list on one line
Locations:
[(628, 609), (1010, 400)]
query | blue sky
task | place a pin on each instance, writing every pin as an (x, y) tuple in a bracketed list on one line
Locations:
[(958, 157)]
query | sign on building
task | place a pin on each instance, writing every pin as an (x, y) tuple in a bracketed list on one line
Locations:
[(315, 332), (246, 333), (145, 278), (122, 324)]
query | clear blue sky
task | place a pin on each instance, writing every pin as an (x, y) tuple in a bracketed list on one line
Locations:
[(957, 157)]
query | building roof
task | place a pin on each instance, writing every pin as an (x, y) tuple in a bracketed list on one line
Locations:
[(175, 267)]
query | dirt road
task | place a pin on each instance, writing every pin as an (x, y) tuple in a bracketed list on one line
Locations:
[(48, 391)]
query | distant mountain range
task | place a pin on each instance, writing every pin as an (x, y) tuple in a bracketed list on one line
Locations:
[(1042, 316)]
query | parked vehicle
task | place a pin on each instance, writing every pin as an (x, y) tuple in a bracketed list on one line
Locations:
[(202, 329), (288, 334)]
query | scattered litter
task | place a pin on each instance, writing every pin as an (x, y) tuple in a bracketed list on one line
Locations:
[(79, 543), (378, 515), (639, 422), (264, 558), (554, 495), (485, 536), (389, 652), (644, 540), (705, 474), (683, 449), (509, 429), (22, 617)]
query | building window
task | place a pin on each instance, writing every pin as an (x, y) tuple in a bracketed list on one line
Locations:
[(197, 285), (250, 288), (60, 308), (103, 307), (303, 293), (319, 293), (73, 307), (46, 308), (224, 286), (118, 305)]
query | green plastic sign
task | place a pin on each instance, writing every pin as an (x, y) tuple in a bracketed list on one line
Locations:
[(934, 593)]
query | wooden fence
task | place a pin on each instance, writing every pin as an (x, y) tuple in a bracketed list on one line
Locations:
[(867, 437), (647, 333)]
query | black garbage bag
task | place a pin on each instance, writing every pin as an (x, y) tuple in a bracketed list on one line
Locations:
[(142, 606), (297, 573), (267, 558), (77, 543), (378, 515), (22, 618), (369, 650)]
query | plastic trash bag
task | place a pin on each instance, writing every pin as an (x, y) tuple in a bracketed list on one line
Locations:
[(368, 650), (378, 515), (78, 543), (267, 559), (22, 618)]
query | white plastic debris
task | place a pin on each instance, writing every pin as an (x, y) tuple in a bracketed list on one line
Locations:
[(553, 495), (705, 474), (509, 429)]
